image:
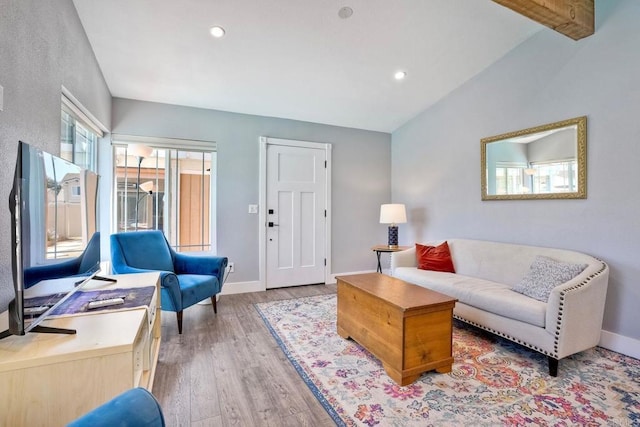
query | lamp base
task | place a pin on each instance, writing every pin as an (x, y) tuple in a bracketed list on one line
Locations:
[(393, 236)]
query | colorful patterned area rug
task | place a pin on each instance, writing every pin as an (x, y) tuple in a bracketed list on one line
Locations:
[(493, 381)]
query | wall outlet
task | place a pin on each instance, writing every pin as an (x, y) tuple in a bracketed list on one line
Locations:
[(230, 266)]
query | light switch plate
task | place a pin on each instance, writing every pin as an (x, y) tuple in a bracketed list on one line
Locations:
[(1, 98), (253, 209)]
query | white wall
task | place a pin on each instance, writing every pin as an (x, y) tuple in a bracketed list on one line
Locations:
[(436, 156), (42, 47), (360, 176)]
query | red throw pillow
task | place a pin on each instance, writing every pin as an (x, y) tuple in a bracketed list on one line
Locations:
[(435, 258)]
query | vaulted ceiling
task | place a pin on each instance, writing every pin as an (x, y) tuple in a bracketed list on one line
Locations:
[(299, 59)]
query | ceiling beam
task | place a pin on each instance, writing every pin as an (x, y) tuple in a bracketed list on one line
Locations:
[(573, 18)]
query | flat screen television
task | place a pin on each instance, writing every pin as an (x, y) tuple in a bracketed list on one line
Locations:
[(53, 205)]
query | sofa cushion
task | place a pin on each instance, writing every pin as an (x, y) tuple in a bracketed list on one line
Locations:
[(544, 275), (435, 258), (486, 295), (505, 262)]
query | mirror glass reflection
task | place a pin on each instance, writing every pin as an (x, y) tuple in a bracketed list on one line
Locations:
[(543, 162)]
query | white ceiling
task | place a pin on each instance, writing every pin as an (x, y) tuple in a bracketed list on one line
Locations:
[(297, 59)]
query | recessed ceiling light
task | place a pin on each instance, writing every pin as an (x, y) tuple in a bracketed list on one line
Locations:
[(217, 32), (400, 75), (345, 12)]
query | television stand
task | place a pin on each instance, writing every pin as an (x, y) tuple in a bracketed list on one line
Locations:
[(105, 279), (102, 278), (42, 330), (113, 351), (50, 330)]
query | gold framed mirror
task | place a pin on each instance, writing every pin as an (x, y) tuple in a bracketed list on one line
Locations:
[(542, 162)]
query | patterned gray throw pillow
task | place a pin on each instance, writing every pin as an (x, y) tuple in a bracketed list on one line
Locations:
[(544, 275)]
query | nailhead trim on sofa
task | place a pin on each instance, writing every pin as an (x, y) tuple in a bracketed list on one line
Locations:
[(558, 323)]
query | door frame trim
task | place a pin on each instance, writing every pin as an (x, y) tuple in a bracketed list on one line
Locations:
[(262, 213)]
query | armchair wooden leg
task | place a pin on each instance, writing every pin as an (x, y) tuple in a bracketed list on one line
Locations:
[(553, 366), (179, 316), (215, 305)]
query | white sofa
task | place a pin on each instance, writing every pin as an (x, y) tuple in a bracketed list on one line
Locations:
[(569, 322)]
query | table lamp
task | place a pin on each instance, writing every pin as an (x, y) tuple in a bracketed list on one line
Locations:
[(393, 213)]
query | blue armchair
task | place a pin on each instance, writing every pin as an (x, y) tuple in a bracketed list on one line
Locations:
[(84, 264), (133, 408), (186, 279)]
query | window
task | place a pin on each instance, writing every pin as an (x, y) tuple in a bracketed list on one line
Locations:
[(78, 136), (555, 176), (166, 188), (75, 191), (78, 144), (510, 179)]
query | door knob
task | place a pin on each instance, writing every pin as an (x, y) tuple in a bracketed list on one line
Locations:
[(271, 224)]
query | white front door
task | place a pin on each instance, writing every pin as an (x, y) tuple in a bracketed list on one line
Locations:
[(296, 179)]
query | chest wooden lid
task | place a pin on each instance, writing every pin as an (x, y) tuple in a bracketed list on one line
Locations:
[(405, 296)]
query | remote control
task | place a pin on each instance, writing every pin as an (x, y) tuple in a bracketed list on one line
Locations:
[(105, 303)]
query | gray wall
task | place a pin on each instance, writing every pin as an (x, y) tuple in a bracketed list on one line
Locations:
[(42, 47), (360, 176), (549, 77)]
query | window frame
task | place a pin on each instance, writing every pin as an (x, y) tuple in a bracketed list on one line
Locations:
[(508, 167), (76, 116), (170, 214), (70, 106), (569, 166)]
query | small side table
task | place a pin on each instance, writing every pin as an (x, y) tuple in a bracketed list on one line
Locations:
[(385, 248)]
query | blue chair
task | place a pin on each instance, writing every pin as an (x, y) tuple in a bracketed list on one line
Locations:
[(185, 279), (84, 264), (133, 408)]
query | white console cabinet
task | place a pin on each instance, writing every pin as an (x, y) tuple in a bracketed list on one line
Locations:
[(52, 379)]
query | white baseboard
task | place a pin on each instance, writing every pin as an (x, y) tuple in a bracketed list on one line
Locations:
[(620, 344), (241, 287), (609, 340), (255, 286)]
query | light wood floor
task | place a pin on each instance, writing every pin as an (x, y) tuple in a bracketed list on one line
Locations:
[(227, 370)]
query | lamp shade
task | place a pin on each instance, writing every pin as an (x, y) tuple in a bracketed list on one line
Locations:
[(147, 186), (139, 150), (393, 213)]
